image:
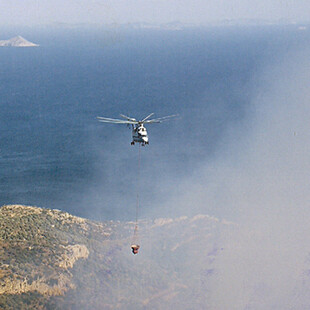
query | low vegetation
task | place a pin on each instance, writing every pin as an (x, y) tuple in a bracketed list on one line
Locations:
[(53, 260)]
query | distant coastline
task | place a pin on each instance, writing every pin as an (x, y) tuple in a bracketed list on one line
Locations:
[(17, 41)]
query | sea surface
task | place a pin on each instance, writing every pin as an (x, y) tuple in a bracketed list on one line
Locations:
[(55, 154)]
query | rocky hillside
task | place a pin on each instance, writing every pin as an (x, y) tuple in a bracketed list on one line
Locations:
[(53, 260)]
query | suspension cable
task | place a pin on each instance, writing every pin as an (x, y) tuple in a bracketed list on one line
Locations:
[(135, 246), (138, 189)]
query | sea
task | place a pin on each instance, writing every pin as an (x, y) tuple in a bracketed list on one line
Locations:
[(55, 154)]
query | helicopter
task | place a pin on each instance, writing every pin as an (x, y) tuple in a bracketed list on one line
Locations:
[(139, 132)]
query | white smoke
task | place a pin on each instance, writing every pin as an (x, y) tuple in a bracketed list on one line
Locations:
[(261, 181)]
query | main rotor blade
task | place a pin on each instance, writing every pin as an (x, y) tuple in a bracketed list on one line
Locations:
[(147, 117), (114, 120), (128, 118), (161, 119)]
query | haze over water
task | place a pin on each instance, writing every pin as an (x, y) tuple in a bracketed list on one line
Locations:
[(239, 151), (55, 154)]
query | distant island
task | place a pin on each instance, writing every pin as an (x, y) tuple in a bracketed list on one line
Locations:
[(17, 41)]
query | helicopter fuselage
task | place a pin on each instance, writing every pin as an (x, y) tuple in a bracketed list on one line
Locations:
[(139, 134)]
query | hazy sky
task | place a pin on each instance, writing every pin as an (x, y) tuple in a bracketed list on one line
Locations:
[(34, 12)]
